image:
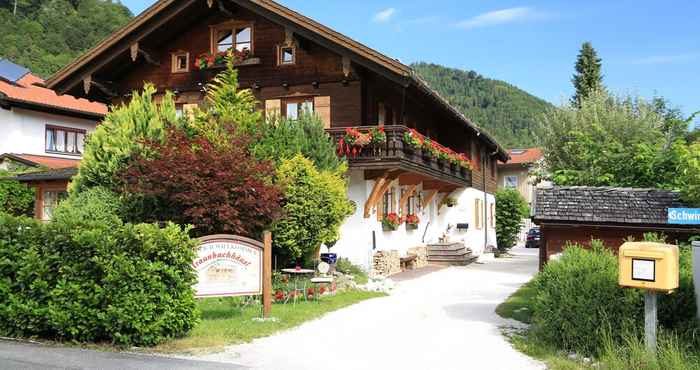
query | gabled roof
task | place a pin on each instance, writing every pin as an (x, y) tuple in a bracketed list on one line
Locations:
[(604, 205), (26, 91), (301, 24), (524, 156)]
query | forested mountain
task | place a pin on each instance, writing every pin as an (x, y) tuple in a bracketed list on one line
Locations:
[(510, 114), (45, 35)]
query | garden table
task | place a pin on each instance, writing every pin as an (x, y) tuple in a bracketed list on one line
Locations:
[(297, 274)]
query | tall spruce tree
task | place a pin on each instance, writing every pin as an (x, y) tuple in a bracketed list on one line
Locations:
[(587, 77)]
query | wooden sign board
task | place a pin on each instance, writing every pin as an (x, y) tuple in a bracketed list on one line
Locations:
[(228, 266)]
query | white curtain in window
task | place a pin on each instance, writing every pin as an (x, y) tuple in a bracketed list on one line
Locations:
[(60, 140), (81, 142), (307, 107), (50, 140), (70, 142)]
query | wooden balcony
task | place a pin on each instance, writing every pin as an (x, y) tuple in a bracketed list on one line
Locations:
[(395, 155)]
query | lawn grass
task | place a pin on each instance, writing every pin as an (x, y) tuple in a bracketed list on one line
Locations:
[(225, 323), (520, 305)]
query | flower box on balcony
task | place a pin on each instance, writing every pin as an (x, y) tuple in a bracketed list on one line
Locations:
[(253, 61), (389, 228), (411, 226)]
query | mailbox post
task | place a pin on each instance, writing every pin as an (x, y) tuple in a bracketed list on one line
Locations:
[(696, 275), (654, 268)]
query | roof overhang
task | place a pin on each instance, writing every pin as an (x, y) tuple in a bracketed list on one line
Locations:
[(6, 103), (684, 229), (164, 10)]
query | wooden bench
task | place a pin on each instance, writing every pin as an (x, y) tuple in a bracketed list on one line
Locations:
[(406, 261)]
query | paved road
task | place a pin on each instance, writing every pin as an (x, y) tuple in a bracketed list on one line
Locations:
[(25, 356), (443, 320)]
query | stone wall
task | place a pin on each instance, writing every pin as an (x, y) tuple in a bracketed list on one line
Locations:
[(421, 254), (386, 263)]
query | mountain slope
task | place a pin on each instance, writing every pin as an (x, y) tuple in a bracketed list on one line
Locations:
[(510, 114), (45, 35)]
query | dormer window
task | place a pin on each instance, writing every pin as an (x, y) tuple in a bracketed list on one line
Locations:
[(237, 36), (287, 55)]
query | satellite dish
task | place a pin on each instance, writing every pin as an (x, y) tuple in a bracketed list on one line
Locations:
[(323, 268)]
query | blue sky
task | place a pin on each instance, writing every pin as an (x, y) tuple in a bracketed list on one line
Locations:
[(648, 47)]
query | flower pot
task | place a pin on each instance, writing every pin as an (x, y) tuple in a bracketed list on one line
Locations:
[(411, 226), (389, 228)]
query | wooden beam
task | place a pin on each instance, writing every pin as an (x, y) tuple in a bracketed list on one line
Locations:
[(411, 179), (102, 86), (223, 9), (87, 82), (134, 50), (210, 3), (429, 197), (404, 198), (374, 194), (383, 191), (375, 174)]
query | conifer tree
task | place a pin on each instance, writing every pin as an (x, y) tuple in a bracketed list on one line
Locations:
[(588, 75)]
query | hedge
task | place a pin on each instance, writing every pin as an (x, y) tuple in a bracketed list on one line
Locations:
[(92, 279), (579, 302)]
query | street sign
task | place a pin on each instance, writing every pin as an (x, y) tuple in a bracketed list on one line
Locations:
[(684, 216)]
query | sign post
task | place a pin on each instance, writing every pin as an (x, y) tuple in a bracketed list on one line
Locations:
[(267, 274), (696, 274), (653, 267)]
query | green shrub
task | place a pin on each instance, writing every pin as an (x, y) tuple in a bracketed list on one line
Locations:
[(579, 297), (315, 205), (284, 138), (16, 198), (511, 208), (346, 267), (89, 277), (110, 147)]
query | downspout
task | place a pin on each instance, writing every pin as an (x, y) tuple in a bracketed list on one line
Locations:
[(486, 224)]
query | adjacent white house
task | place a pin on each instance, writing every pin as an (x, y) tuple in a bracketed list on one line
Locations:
[(40, 129)]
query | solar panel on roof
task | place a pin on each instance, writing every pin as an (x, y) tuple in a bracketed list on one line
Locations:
[(10, 71)]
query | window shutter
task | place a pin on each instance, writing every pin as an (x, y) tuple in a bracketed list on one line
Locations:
[(273, 108), (322, 107), (477, 214)]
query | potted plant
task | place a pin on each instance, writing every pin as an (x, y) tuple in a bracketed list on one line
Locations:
[(391, 222), (209, 60), (352, 143), (412, 222), (429, 150), (443, 156), (413, 141), (377, 139), (449, 202)]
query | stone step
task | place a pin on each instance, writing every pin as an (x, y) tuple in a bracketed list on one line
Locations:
[(451, 247), (452, 262), (458, 252)]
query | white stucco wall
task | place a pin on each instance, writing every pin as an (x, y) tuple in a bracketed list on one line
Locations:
[(23, 131), (356, 233)]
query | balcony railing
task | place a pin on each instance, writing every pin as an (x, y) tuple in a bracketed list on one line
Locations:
[(373, 147)]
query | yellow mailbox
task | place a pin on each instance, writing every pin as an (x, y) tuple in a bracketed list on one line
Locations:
[(651, 266)]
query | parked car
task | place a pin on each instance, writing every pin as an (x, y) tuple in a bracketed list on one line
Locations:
[(534, 238)]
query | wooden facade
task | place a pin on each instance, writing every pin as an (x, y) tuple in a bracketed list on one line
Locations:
[(348, 84)]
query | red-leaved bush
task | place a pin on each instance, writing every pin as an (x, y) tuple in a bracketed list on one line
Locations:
[(217, 189)]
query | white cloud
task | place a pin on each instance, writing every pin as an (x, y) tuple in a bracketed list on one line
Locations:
[(384, 16), (667, 59), (503, 16)]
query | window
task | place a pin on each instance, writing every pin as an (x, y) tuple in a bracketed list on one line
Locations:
[(288, 55), (238, 37), (478, 214), (510, 181), (64, 140), (293, 108), (180, 62), (388, 202), (50, 200)]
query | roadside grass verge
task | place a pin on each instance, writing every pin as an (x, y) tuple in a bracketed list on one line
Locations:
[(629, 355), (519, 306), (225, 323)]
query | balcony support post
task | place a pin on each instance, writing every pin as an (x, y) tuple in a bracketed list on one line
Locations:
[(429, 197), (374, 195)]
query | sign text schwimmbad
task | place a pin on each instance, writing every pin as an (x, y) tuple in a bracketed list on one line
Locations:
[(684, 216)]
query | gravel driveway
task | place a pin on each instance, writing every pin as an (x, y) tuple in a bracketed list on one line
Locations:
[(443, 320)]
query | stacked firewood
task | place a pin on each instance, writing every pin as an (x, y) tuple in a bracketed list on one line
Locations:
[(386, 263), (421, 254)]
